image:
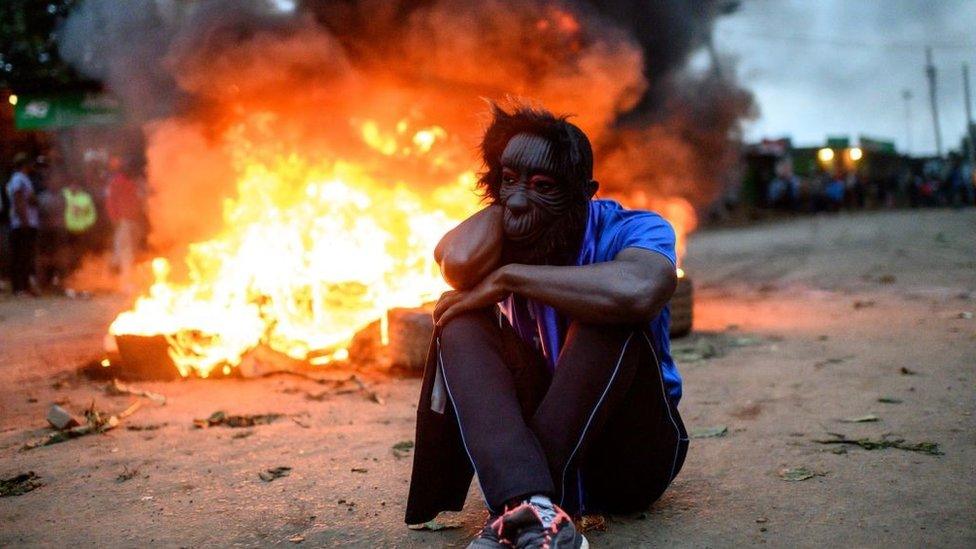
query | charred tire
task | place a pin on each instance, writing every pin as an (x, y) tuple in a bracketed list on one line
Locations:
[(681, 304)]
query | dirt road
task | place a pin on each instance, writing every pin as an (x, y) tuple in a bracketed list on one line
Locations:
[(800, 325)]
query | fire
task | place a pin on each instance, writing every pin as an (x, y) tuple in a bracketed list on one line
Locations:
[(309, 255), (312, 251)]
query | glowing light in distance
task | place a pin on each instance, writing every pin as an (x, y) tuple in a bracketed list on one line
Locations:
[(12, 99), (825, 154), (856, 153)]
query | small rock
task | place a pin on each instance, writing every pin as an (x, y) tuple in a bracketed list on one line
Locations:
[(61, 419)]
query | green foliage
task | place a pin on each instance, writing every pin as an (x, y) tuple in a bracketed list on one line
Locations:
[(29, 57)]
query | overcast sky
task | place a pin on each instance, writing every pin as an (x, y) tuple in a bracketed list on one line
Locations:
[(839, 67)]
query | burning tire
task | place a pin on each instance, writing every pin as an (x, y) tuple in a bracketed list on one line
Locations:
[(682, 303)]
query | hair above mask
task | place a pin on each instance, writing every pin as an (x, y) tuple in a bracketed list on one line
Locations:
[(570, 154)]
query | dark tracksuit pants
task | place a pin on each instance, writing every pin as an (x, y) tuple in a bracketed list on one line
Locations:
[(602, 412), (23, 253)]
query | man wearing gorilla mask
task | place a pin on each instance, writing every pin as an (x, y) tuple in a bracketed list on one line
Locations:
[(549, 374)]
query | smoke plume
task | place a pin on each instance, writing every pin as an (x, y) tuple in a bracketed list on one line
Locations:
[(213, 81)]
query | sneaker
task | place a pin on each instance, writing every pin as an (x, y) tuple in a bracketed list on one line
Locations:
[(490, 535), (526, 527)]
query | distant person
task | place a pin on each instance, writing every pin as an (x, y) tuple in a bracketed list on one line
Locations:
[(124, 211), (50, 234), (784, 189), (834, 192), (24, 223), (80, 215)]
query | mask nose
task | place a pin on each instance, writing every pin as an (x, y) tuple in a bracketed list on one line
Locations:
[(517, 203)]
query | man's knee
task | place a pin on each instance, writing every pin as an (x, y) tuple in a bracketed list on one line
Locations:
[(464, 327)]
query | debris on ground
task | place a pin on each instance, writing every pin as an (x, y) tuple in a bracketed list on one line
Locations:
[(887, 279), (861, 419), (433, 525), (235, 421), (698, 350), (300, 423), (930, 448), (19, 485), (116, 387), (907, 372), (359, 470), (966, 315), (61, 419), (126, 474), (402, 449), (709, 432), (796, 474), (242, 434), (271, 474), (337, 386), (96, 421), (890, 400), (863, 304), (834, 360), (146, 426), (592, 523), (297, 538)]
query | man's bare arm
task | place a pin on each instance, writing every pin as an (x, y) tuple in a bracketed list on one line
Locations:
[(632, 288), (472, 250)]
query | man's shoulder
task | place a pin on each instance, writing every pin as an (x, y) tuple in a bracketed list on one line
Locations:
[(611, 213)]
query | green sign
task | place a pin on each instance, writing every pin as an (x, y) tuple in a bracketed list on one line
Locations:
[(835, 142), (66, 110), (877, 145)]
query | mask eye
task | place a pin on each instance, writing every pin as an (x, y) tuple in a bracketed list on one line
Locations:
[(544, 185), (509, 178)]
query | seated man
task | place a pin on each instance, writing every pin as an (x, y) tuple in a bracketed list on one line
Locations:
[(549, 375)]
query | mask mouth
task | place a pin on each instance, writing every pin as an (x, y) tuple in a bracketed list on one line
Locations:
[(520, 227)]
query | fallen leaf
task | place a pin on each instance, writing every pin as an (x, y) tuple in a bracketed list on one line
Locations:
[(19, 485), (434, 526), (861, 419), (592, 523), (272, 474), (709, 432), (795, 474), (297, 538), (126, 474), (235, 421), (890, 400), (402, 449), (930, 448)]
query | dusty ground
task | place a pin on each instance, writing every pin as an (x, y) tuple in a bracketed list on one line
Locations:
[(812, 321)]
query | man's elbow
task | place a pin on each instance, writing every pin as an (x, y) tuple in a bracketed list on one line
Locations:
[(647, 298), (457, 272)]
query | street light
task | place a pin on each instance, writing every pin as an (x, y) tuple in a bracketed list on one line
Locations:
[(825, 154), (12, 99), (856, 153)]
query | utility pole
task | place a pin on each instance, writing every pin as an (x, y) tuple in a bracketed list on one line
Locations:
[(930, 73), (906, 94), (970, 128)]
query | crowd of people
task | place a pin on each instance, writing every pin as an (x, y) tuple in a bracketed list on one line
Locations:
[(50, 220), (951, 183)]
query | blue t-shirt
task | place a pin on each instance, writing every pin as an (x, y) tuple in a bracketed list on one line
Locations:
[(609, 229)]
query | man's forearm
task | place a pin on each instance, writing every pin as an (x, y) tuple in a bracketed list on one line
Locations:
[(472, 250), (615, 292)]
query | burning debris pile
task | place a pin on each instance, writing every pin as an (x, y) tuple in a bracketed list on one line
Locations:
[(305, 157)]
